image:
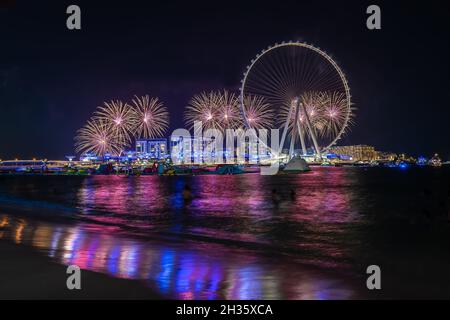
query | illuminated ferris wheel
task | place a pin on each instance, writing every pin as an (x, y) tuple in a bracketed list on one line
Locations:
[(304, 91)]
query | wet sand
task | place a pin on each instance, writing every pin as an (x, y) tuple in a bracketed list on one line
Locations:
[(26, 274)]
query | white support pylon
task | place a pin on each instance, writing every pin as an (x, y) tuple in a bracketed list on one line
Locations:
[(312, 132), (283, 137)]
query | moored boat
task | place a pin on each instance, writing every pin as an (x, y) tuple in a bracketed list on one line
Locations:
[(435, 161), (296, 165)]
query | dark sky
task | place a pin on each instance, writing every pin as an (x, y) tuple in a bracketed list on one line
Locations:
[(52, 79)]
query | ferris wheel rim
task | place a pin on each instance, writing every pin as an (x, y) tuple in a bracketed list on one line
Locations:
[(321, 53)]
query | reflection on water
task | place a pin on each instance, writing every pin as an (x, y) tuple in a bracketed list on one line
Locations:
[(178, 271), (231, 241), (237, 208)]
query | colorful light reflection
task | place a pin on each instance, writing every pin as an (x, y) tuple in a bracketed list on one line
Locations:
[(177, 272)]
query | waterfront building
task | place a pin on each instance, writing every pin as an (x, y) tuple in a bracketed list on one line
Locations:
[(145, 149), (406, 158), (89, 157), (355, 153), (152, 148), (188, 149), (180, 149), (386, 156)]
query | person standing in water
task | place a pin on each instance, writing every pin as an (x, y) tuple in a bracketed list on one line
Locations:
[(275, 198), (187, 194), (293, 195)]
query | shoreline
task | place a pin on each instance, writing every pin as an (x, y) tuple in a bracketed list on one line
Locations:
[(198, 253), (41, 278), (28, 274)]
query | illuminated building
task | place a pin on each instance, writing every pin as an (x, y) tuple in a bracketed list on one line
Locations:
[(145, 149), (88, 157), (152, 148), (406, 158), (386, 156), (186, 149), (356, 153)]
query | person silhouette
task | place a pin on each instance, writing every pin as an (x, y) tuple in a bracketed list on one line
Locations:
[(275, 198), (293, 195), (187, 194)]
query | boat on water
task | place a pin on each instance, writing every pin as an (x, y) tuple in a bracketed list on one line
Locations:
[(296, 165), (435, 161)]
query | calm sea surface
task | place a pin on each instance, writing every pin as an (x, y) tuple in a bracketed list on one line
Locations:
[(232, 241)]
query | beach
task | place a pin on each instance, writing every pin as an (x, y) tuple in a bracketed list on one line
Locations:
[(26, 274)]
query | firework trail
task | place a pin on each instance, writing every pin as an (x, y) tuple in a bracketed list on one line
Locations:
[(312, 103), (205, 107), (150, 118), (228, 112), (335, 113), (97, 137), (258, 113), (327, 113), (118, 116)]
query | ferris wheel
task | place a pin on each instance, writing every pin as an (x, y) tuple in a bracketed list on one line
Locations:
[(305, 93)]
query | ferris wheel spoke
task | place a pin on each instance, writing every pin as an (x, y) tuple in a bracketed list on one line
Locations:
[(278, 71), (264, 83)]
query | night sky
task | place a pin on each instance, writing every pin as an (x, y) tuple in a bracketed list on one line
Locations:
[(52, 79)]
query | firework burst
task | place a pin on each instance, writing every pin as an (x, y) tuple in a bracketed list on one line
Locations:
[(228, 111), (335, 113), (205, 107), (97, 137), (327, 112), (313, 104), (118, 116), (314, 107), (258, 112), (150, 117)]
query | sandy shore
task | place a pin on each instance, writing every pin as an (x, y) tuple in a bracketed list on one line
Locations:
[(26, 274)]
